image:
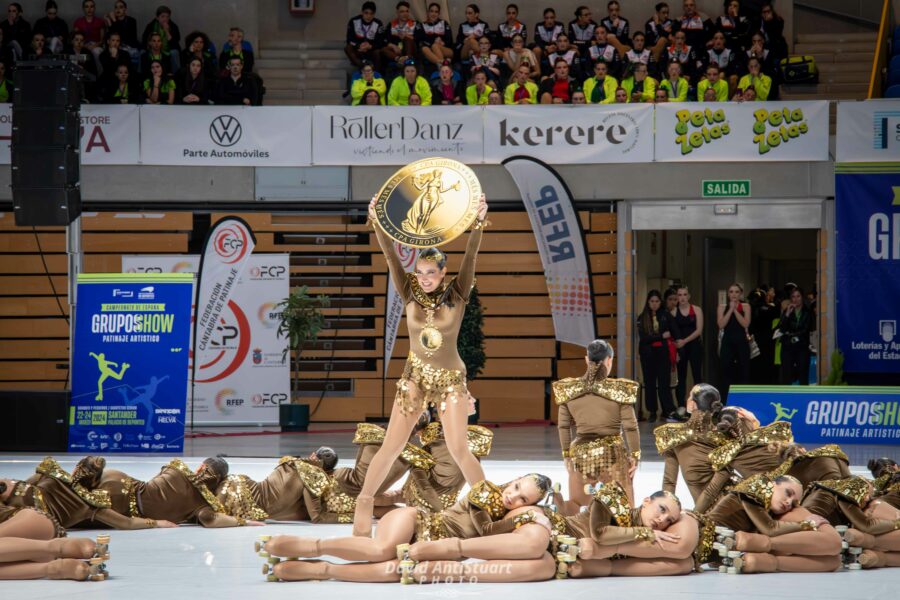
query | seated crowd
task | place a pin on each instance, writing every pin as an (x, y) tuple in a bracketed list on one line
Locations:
[(734, 56), (120, 67)]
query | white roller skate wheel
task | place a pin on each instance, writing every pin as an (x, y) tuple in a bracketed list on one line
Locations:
[(841, 529), (732, 571), (845, 545), (723, 569), (855, 550), (854, 566), (734, 554)]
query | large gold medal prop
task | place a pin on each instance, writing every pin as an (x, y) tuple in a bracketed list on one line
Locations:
[(429, 202)]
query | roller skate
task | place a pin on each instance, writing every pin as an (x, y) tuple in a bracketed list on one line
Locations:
[(406, 566), (849, 554), (102, 549), (259, 546), (92, 569), (568, 545), (563, 562), (732, 562)]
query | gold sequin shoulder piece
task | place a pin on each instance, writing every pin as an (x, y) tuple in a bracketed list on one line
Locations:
[(432, 432), (416, 457), (52, 469), (881, 483), (488, 497), (854, 489), (616, 500), (704, 549), (430, 299), (367, 433), (178, 465), (480, 440), (623, 391), (827, 451), (777, 432), (569, 389), (758, 488), (239, 500), (671, 435), (314, 478)]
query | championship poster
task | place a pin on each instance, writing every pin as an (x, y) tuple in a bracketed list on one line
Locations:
[(130, 362)]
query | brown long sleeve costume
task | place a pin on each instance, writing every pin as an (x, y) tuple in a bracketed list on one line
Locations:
[(842, 502), (746, 508)]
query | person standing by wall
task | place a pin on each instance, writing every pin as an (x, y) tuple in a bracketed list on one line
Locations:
[(689, 320), (796, 324), (654, 330), (733, 319)]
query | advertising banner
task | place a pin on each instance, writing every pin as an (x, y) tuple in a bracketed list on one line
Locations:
[(395, 135), (826, 414), (747, 131), (621, 133), (393, 306), (251, 393), (130, 362), (867, 264), (110, 134), (221, 136), (868, 131), (557, 231)]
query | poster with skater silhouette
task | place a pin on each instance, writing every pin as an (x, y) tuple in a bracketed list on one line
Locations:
[(130, 362)]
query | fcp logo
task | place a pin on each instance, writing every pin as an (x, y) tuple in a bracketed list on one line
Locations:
[(225, 131)]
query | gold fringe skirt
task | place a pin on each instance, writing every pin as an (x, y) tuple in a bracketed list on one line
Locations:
[(603, 459), (424, 385), (430, 526)]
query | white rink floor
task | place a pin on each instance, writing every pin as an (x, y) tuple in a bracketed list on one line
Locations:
[(190, 562)]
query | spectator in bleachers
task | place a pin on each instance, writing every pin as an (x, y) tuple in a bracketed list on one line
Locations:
[(713, 81), (237, 46), (517, 54), (749, 95), (153, 52), (639, 85), (696, 26), (564, 50), (434, 37), (725, 58), (708, 95), (758, 50), (364, 37), (521, 90), (38, 51), (399, 37), (477, 92), (772, 27), (685, 55), (367, 81), (509, 28), (159, 88), (495, 98), (16, 30), (578, 97), (447, 89), (196, 45), (119, 22), (485, 60), (6, 85), (87, 62), (621, 96), (601, 88), (546, 33), (193, 86), (408, 83), (372, 98), (470, 32), (110, 58), (755, 79), (659, 28), (635, 52), (616, 24), (661, 96), (674, 85), (91, 26), (581, 30), (734, 26), (558, 88), (120, 90), (237, 88), (54, 29), (601, 50), (415, 99), (169, 35)]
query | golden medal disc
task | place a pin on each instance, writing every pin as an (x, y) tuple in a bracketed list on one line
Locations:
[(428, 203)]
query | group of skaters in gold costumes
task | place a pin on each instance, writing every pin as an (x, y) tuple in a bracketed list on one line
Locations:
[(762, 503)]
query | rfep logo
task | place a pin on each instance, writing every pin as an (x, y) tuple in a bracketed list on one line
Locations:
[(225, 131), (787, 124), (231, 244), (269, 315), (699, 127), (226, 401)]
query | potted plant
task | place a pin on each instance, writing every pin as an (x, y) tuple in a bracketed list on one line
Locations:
[(470, 343), (300, 320)]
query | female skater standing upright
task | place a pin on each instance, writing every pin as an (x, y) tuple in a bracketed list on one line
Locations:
[(434, 373)]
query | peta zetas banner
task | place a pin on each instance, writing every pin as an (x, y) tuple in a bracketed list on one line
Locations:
[(826, 414), (867, 267), (747, 131), (868, 131), (130, 362)]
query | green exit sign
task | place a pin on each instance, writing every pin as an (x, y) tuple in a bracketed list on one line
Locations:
[(726, 188)]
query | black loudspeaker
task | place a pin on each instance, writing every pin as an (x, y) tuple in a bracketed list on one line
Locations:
[(34, 421), (45, 149)]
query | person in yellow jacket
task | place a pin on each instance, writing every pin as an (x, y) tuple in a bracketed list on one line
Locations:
[(756, 79), (601, 88), (478, 92), (713, 80), (366, 82), (409, 82), (675, 86), (638, 86), (521, 90)]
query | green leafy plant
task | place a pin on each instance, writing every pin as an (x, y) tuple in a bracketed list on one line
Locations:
[(300, 320), (470, 343), (836, 374)]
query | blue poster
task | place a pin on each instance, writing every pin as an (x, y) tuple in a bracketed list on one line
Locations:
[(130, 362), (826, 414), (867, 267)]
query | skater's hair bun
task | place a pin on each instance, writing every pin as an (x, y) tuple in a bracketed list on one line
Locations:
[(328, 457), (218, 466), (665, 494), (880, 466), (600, 350), (729, 422), (707, 398)]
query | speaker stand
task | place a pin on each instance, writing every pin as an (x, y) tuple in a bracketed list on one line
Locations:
[(76, 260)]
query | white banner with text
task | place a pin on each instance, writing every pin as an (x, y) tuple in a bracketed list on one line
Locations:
[(868, 131)]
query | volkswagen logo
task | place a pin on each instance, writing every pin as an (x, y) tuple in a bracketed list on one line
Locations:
[(225, 130)]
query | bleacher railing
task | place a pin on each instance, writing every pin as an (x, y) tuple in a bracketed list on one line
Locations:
[(882, 51)]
